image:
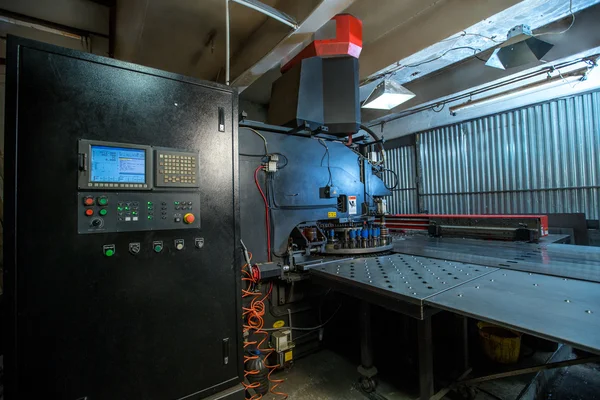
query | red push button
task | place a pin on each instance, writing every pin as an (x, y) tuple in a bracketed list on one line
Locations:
[(89, 212), (189, 218), (88, 201)]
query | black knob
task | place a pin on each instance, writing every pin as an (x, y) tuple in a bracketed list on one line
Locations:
[(97, 222)]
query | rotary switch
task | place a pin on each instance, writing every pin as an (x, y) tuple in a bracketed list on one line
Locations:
[(97, 223)]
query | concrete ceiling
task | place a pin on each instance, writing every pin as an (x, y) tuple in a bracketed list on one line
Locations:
[(456, 83), (183, 36), (482, 36)]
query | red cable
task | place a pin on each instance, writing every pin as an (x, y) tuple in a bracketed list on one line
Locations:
[(266, 211)]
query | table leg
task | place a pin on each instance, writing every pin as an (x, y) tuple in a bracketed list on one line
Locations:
[(425, 358), (366, 337), (465, 342)]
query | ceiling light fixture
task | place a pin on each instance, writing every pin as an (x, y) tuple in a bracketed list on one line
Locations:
[(557, 80), (387, 95), (520, 48)]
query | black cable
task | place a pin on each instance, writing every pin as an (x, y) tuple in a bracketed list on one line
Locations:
[(442, 55), (373, 134), (440, 110), (286, 160), (465, 33), (263, 156), (330, 181), (252, 155), (397, 179), (313, 328)]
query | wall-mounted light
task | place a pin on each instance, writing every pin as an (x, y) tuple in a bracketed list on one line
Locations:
[(387, 95), (521, 48)]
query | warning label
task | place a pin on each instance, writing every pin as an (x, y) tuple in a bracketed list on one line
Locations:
[(352, 207)]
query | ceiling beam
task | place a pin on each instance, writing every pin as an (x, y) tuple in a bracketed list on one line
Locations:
[(277, 41), (437, 22)]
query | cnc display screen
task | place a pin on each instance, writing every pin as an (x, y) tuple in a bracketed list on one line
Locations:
[(117, 165)]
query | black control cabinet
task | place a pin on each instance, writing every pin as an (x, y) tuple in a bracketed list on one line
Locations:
[(126, 312)]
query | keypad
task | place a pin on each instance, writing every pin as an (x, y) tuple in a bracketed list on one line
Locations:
[(176, 169)]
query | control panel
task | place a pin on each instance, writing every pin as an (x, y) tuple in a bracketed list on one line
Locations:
[(126, 212), (131, 187)]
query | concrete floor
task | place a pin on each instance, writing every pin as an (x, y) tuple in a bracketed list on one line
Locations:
[(326, 375), (580, 382)]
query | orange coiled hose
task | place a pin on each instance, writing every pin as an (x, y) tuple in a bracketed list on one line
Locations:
[(248, 277), (253, 317)]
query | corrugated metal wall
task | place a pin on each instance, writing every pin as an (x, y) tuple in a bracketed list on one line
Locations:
[(402, 161), (544, 158)]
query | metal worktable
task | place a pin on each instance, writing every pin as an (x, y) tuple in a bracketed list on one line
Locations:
[(563, 260), (559, 309), (553, 307), (398, 281)]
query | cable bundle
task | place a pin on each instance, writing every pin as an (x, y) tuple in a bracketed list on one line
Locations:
[(254, 323), (267, 223)]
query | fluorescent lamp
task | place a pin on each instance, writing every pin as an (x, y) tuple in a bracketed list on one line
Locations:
[(558, 80), (521, 48), (387, 95)]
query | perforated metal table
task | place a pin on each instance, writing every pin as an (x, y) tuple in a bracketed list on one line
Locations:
[(401, 283), (398, 281), (561, 309)]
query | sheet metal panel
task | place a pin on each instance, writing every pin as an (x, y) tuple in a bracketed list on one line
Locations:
[(540, 159), (559, 309), (402, 161), (577, 262)]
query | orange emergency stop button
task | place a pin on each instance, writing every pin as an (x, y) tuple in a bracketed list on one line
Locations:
[(189, 218)]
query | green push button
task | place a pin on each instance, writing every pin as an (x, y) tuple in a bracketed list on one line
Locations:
[(108, 250), (102, 201), (103, 212)]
